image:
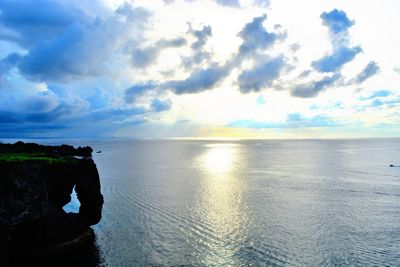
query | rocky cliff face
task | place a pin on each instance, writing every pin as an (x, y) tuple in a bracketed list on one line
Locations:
[(35, 183)]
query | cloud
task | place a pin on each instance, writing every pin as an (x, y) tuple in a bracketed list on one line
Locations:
[(296, 120), (48, 111), (230, 3), (370, 70), (376, 94), (8, 62), (260, 100), (201, 35), (255, 124), (139, 89), (305, 74), (41, 107), (262, 75), (199, 80), (381, 102), (137, 17), (335, 61), (168, 1), (199, 54), (144, 57), (256, 37), (99, 97), (113, 113), (293, 120), (65, 43), (338, 24), (312, 89), (262, 3), (31, 21), (160, 106), (61, 58), (42, 102), (336, 20)]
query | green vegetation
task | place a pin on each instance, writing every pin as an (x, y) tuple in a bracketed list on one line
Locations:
[(19, 157)]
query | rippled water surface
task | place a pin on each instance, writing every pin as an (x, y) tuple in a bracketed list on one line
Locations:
[(240, 203)]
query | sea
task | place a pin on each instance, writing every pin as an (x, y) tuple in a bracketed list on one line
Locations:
[(245, 203)]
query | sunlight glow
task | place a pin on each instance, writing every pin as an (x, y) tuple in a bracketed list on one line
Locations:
[(219, 159)]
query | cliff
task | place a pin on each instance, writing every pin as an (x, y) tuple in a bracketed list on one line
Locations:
[(35, 183)]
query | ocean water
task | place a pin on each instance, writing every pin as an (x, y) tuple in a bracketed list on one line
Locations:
[(247, 203)]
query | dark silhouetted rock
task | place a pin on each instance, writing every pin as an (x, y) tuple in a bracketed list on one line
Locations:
[(36, 182)]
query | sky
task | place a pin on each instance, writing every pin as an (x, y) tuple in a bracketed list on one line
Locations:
[(199, 68)]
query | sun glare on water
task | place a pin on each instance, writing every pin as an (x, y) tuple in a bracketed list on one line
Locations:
[(219, 159), (221, 206)]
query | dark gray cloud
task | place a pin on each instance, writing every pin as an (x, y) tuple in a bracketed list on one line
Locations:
[(115, 114), (8, 117), (137, 90), (256, 37), (255, 40), (146, 56), (159, 105), (370, 70), (202, 36), (337, 59), (262, 75), (305, 74), (47, 111), (30, 130), (199, 80), (198, 47), (42, 107), (314, 88)]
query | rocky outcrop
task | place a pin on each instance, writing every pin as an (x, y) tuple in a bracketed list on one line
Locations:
[(36, 182)]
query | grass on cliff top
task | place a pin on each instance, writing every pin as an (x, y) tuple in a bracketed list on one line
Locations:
[(20, 157)]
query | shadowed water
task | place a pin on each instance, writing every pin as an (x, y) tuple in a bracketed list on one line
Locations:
[(240, 203)]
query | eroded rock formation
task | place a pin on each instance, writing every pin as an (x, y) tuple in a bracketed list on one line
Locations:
[(36, 182)]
